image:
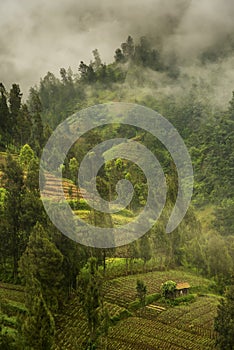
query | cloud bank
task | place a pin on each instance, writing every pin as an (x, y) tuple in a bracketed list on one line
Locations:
[(41, 36)]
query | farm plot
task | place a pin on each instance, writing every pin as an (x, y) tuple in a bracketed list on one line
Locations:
[(182, 327), (70, 190), (196, 318), (150, 312), (144, 334), (122, 290), (11, 292), (11, 304), (114, 310), (71, 328), (71, 325)]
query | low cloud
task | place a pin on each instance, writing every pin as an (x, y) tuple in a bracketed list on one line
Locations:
[(41, 36)]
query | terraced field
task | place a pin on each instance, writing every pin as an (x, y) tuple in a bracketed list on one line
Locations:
[(10, 292), (72, 327), (11, 304), (145, 334), (197, 318), (174, 329), (157, 327), (70, 190), (182, 327), (122, 290)]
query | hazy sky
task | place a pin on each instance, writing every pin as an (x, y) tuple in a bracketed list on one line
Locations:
[(37, 36)]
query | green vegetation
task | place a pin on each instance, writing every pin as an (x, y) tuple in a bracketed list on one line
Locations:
[(56, 294), (191, 321), (168, 289), (224, 321), (89, 288)]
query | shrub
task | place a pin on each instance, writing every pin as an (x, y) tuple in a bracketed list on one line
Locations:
[(168, 289), (152, 297), (80, 204), (184, 299), (122, 315), (136, 304)]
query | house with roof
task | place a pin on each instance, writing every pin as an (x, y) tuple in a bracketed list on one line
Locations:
[(182, 289)]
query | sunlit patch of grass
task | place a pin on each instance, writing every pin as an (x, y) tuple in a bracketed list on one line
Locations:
[(121, 218)]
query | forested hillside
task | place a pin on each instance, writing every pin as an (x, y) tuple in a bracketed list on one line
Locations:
[(47, 274)]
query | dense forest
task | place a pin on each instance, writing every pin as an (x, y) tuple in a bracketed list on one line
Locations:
[(52, 271)]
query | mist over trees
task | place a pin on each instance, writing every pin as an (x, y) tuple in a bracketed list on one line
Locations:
[(51, 267)]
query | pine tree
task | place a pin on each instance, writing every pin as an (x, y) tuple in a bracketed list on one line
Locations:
[(73, 169), (4, 111), (15, 99), (63, 74), (90, 292), (13, 176), (145, 248), (133, 253), (83, 70), (15, 104), (141, 292), (35, 108), (231, 108), (97, 60), (25, 157), (24, 126), (119, 56), (42, 262), (38, 328), (128, 48), (32, 176), (224, 322)]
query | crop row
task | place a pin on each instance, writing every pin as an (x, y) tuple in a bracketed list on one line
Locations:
[(122, 290), (113, 309), (193, 311), (10, 292), (140, 333), (196, 318), (71, 328)]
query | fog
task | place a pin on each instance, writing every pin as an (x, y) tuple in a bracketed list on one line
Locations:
[(41, 36)]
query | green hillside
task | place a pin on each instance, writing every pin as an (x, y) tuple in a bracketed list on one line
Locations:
[(158, 326), (58, 294)]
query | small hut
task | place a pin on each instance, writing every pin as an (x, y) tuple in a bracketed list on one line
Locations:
[(182, 289)]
